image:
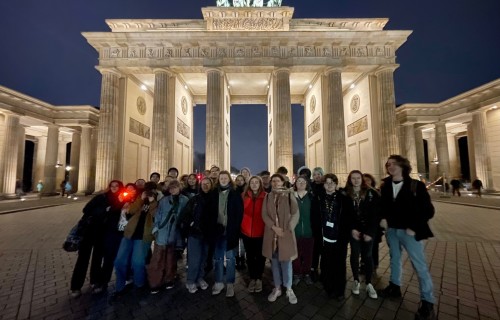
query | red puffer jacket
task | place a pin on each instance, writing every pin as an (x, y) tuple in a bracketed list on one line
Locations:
[(252, 225)]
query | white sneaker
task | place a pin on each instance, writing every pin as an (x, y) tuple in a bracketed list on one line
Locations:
[(292, 298), (217, 288), (251, 286), (274, 295), (203, 284), (191, 287), (370, 290), (355, 287), (230, 290), (76, 293), (258, 285)]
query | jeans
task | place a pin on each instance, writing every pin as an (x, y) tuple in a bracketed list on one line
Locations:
[(219, 253), (197, 254), (397, 239), (133, 251), (282, 272), (365, 249)]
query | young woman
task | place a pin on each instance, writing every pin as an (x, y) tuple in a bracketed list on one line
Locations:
[(245, 172), (227, 213), (317, 189), (137, 239), (252, 230), (241, 186), (101, 238), (304, 231), (163, 266), (192, 187), (280, 214), (371, 182), (363, 211), (194, 225), (334, 225), (240, 183)]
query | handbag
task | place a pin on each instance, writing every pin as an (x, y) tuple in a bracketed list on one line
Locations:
[(75, 235)]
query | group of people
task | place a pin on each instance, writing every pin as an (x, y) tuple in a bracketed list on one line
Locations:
[(304, 229)]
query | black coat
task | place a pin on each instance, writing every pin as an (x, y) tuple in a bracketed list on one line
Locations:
[(366, 219), (411, 209)]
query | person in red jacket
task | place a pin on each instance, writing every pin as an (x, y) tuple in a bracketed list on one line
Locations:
[(252, 231)]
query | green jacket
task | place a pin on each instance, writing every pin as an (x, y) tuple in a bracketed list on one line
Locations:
[(303, 228)]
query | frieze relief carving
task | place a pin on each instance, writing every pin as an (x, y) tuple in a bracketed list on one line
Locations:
[(314, 127), (248, 52), (138, 128), (247, 24), (357, 126), (183, 128)]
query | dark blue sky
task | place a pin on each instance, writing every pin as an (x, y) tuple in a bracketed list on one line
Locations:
[(454, 47)]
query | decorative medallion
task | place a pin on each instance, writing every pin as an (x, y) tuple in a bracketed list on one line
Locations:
[(312, 104), (184, 105), (355, 102), (141, 105)]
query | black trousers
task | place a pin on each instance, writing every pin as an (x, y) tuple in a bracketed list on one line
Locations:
[(333, 267), (255, 259), (363, 248), (317, 249), (91, 245)]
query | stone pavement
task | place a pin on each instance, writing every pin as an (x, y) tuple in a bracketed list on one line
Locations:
[(464, 259)]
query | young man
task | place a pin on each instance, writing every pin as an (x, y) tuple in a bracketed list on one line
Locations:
[(406, 210)]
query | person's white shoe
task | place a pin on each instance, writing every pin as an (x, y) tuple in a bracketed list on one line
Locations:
[(203, 284), (251, 286), (217, 288), (191, 287), (370, 290), (355, 287), (274, 295), (292, 298), (258, 285)]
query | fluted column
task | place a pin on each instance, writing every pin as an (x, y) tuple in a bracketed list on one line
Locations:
[(387, 113), (107, 146), (74, 161), (481, 150), (471, 151), (419, 151), (39, 158), (49, 167), (409, 151), (10, 153), (20, 152), (442, 149), (283, 119), (163, 122), (93, 161), (334, 144), (61, 159), (85, 159), (215, 119)]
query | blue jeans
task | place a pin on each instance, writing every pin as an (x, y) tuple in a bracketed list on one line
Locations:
[(397, 239), (282, 272), (197, 254), (219, 253), (134, 251)]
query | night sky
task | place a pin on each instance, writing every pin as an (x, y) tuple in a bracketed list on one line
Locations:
[(454, 47)]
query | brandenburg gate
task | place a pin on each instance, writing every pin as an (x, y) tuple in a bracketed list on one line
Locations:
[(155, 71)]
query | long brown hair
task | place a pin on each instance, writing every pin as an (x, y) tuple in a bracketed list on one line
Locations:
[(349, 188), (247, 187)]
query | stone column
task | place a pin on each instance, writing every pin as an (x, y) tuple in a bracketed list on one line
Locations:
[(74, 161), (334, 144), (387, 113), (481, 150), (39, 158), (163, 122), (409, 151), (283, 119), (20, 153), (442, 149), (419, 151), (107, 145), (215, 119), (84, 165), (471, 151), (61, 159), (49, 169), (10, 153)]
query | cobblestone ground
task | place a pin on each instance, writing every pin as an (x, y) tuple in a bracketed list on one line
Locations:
[(35, 272)]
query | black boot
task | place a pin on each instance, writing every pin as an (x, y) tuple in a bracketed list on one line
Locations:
[(243, 263), (391, 291), (238, 263), (425, 312)]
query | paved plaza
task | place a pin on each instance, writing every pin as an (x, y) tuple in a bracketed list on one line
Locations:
[(35, 273)]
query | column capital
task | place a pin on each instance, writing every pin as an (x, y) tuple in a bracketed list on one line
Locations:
[(332, 69), (166, 70), (106, 70), (281, 69), (386, 67), (219, 71)]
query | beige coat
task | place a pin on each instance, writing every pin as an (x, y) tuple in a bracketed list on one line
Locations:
[(288, 217)]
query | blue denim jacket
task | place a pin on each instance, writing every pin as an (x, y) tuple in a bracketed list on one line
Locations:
[(163, 235)]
